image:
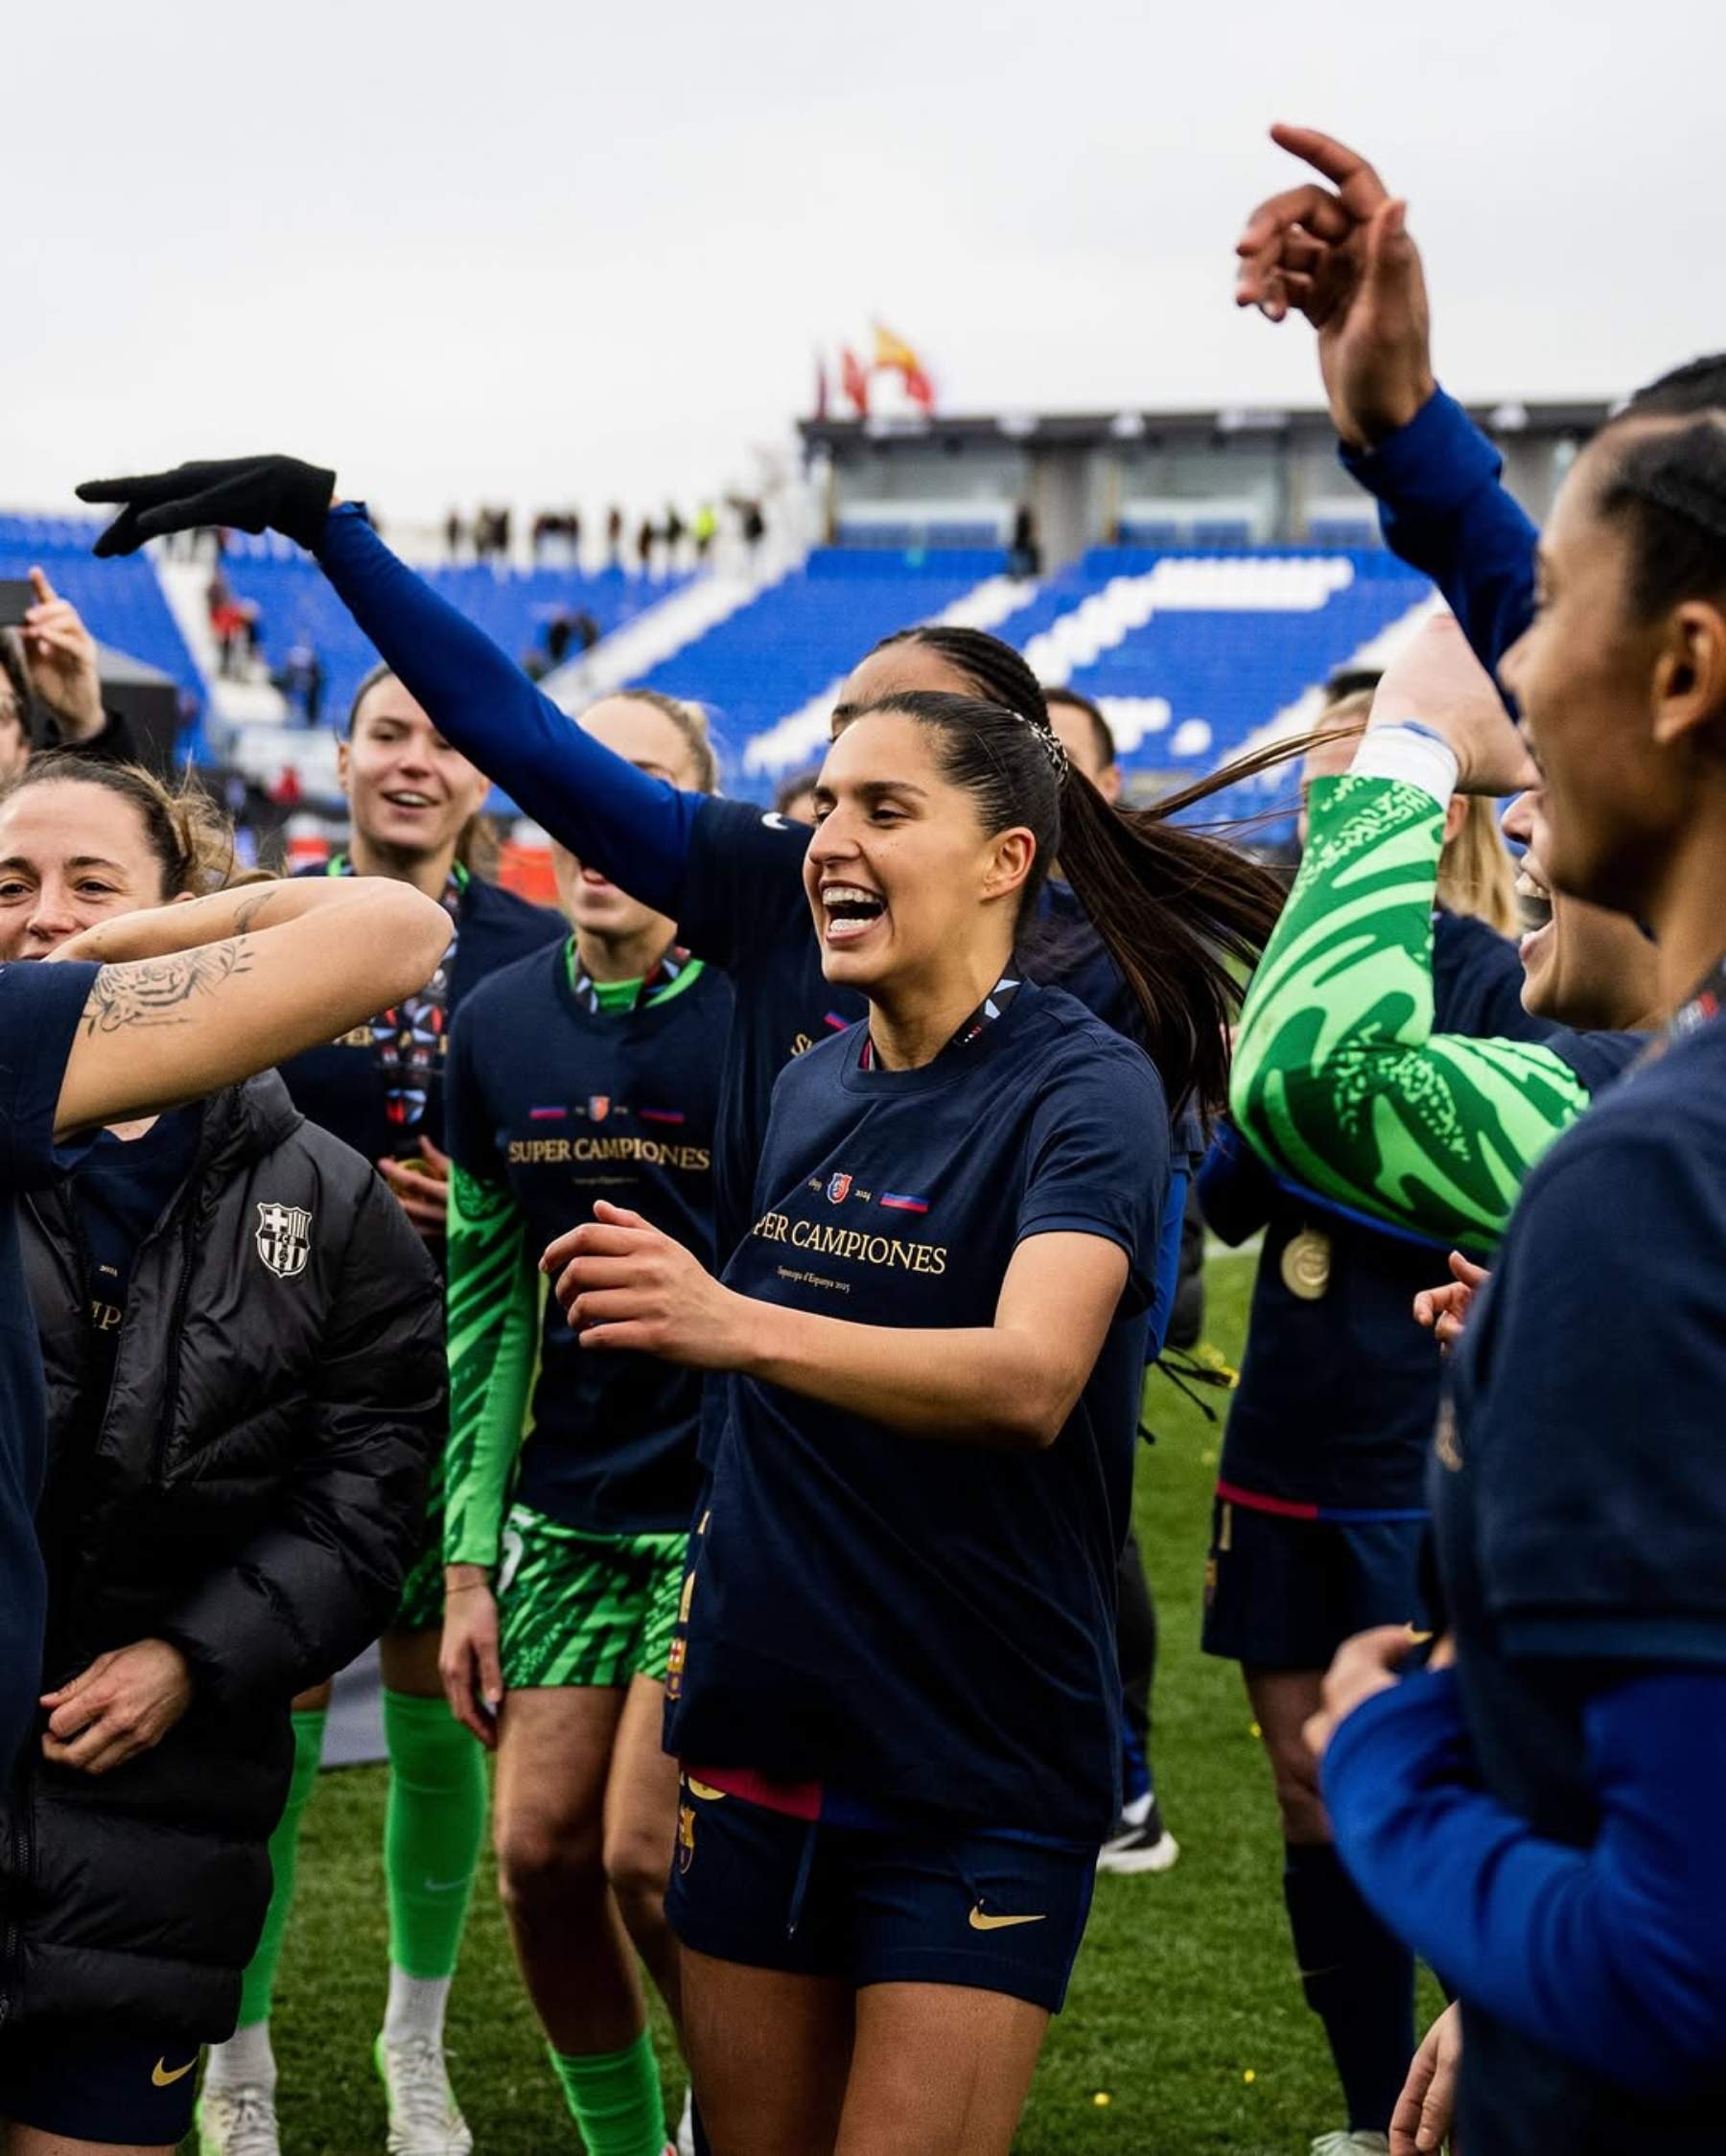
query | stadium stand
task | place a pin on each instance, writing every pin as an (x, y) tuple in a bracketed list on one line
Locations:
[(512, 604), (1190, 652), (798, 635)]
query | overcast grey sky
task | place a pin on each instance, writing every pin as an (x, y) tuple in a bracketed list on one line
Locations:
[(534, 250)]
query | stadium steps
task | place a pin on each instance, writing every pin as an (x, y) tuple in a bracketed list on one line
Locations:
[(657, 633), (231, 704), (1185, 584)]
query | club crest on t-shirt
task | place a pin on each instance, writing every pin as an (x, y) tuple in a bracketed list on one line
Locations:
[(838, 1188)]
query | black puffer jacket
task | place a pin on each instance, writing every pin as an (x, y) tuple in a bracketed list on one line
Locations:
[(251, 1489)]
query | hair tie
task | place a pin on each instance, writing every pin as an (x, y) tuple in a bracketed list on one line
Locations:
[(1052, 746)]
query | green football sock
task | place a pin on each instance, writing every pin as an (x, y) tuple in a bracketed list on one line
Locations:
[(615, 2098), (258, 1985), (432, 1831)]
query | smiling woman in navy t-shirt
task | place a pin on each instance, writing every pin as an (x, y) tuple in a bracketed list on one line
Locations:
[(894, 1688)]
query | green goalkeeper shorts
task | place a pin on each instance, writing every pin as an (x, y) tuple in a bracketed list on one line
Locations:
[(580, 1608)]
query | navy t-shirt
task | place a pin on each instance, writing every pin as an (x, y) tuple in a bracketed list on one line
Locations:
[(929, 1625), (122, 1189), (1338, 1393), (341, 1086), (567, 1106), (1578, 1489), (40, 1006), (745, 909)]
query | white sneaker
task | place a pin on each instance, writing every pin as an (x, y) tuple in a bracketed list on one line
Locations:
[(237, 2122), (1346, 2143), (685, 2126), (424, 2119), (1139, 1845)]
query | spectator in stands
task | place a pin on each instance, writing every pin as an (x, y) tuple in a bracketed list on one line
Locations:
[(795, 798), (614, 538), (51, 689), (302, 680), (453, 531), (706, 530), (753, 525), (674, 530), (235, 623), (1024, 557), (646, 536)]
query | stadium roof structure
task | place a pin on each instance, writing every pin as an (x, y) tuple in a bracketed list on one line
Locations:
[(1189, 427)]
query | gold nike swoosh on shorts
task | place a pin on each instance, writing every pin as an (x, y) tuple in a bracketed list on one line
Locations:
[(979, 1922), (163, 2079)]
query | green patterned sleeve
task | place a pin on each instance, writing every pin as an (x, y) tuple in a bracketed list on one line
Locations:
[(493, 1304), (1338, 1079)]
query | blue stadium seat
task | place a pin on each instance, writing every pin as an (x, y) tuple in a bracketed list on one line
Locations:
[(793, 639), (512, 605), (1232, 636)]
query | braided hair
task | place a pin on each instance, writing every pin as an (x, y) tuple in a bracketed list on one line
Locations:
[(1668, 487), (1682, 392), (994, 669)]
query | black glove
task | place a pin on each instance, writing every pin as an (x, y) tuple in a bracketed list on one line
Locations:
[(249, 493)]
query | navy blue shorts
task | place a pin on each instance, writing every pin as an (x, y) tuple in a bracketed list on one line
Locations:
[(898, 1905), (1284, 1594), (88, 2082)]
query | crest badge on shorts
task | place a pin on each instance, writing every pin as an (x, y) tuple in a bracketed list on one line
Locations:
[(284, 1239)]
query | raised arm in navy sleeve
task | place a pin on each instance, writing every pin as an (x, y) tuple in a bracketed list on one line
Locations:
[(1612, 1955), (1443, 509), (631, 828)]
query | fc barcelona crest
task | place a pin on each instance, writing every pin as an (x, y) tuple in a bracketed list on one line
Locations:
[(838, 1188), (285, 1239), (599, 1106)]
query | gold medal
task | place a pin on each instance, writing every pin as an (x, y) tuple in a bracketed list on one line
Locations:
[(1306, 1263)]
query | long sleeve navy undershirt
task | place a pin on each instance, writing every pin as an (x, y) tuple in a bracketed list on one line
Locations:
[(632, 827), (1612, 1955), (1443, 509)]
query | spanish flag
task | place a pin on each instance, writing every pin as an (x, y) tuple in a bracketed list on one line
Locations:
[(895, 355), (853, 378)]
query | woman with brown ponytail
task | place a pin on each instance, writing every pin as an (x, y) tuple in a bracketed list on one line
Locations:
[(895, 1692)]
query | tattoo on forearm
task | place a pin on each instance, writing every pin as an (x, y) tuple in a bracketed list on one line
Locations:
[(246, 913), (156, 991)]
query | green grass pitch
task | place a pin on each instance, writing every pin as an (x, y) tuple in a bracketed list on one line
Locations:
[(1184, 2011)]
